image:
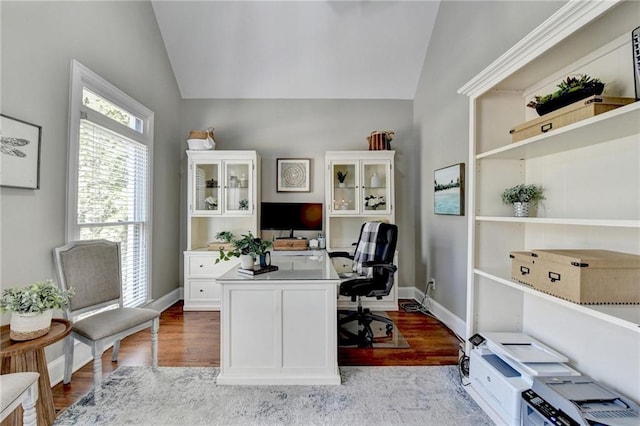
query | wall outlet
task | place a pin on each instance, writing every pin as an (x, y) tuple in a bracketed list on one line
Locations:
[(432, 283)]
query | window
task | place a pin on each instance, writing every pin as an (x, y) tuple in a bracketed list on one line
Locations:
[(109, 184)]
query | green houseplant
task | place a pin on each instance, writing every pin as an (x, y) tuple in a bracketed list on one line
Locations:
[(522, 197), (341, 176), (570, 90), (32, 308), (247, 248)]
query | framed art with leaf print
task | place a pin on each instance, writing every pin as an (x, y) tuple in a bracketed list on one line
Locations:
[(19, 153)]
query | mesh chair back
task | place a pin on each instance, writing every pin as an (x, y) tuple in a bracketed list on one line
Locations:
[(92, 269)]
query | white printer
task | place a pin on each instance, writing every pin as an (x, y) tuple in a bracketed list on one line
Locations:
[(504, 366), (576, 401)]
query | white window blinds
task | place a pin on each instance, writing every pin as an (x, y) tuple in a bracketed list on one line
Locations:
[(112, 190), (110, 168)]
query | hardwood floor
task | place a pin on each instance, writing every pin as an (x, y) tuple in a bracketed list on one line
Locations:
[(191, 339)]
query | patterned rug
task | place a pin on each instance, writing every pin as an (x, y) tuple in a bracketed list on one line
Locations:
[(367, 396)]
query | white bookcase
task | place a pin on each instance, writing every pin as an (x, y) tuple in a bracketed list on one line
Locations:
[(349, 204), (223, 194), (590, 174)]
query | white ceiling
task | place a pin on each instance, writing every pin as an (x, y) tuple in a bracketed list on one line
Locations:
[(296, 49)]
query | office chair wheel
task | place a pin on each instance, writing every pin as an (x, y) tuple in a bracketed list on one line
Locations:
[(365, 340)]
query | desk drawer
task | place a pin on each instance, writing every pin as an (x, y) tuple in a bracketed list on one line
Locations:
[(202, 265), (204, 290)]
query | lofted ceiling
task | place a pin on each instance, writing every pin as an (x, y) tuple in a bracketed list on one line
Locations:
[(296, 49)]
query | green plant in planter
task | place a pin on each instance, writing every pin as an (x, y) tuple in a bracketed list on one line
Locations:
[(225, 236), (35, 298), (522, 194), (246, 244), (571, 89)]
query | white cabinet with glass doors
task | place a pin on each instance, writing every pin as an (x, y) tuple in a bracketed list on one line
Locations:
[(360, 182), (359, 187), (222, 195)]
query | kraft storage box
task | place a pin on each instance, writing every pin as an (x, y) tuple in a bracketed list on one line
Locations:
[(290, 244), (522, 263), (577, 111), (588, 276)]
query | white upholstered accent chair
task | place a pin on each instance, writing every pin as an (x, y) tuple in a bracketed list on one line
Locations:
[(19, 389), (92, 268)]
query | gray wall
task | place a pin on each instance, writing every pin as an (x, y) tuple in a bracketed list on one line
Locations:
[(307, 128), (467, 37), (120, 41)]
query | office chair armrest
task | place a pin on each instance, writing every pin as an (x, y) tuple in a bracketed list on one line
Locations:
[(340, 254), (372, 264)]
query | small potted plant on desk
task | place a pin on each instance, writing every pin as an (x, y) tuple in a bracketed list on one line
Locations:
[(522, 197), (247, 248), (32, 308)]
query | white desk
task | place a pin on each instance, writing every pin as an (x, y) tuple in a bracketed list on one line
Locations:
[(280, 327)]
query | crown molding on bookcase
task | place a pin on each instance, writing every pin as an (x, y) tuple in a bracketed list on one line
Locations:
[(568, 19)]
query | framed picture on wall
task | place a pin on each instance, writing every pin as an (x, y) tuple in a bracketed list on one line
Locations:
[(448, 190), (19, 153), (293, 175)]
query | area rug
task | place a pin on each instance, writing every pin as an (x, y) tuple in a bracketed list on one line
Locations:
[(380, 337), (190, 396)]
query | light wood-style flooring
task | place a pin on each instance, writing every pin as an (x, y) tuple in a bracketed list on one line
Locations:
[(191, 339)]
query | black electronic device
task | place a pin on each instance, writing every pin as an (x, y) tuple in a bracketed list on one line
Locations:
[(291, 217), (476, 339)]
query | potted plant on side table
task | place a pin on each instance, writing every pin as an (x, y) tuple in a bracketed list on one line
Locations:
[(32, 308), (247, 248), (522, 197)]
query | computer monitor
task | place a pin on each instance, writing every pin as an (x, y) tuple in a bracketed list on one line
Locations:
[(291, 217)]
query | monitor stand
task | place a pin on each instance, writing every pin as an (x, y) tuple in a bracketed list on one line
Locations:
[(290, 237)]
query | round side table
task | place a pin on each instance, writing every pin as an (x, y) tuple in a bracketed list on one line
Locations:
[(29, 356)]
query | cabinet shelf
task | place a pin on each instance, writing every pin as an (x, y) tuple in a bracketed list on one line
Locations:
[(627, 316), (612, 125), (612, 223)]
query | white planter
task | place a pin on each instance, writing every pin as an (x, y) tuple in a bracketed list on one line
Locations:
[(30, 326), (246, 261)]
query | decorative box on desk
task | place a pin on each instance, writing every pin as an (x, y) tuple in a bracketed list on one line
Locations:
[(290, 244), (577, 111)]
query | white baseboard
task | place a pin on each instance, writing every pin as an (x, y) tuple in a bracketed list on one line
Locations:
[(455, 323), (82, 353)]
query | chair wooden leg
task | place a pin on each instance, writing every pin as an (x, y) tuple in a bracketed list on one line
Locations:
[(29, 415), (97, 368), (68, 359), (154, 343)]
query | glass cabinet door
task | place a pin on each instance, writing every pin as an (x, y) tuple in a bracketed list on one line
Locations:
[(238, 187), (375, 187), (206, 188), (345, 187)]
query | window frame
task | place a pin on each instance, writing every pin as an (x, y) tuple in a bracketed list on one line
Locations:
[(82, 77)]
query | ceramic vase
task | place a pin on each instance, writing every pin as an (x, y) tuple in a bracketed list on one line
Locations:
[(246, 261), (30, 326)]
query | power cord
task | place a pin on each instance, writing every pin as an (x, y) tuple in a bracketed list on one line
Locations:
[(424, 305), (463, 367)]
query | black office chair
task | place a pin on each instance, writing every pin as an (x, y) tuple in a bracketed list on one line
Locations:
[(373, 261)]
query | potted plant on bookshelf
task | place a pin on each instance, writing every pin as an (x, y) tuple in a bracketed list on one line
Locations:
[(32, 308), (247, 248), (570, 90), (341, 177), (522, 197)]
